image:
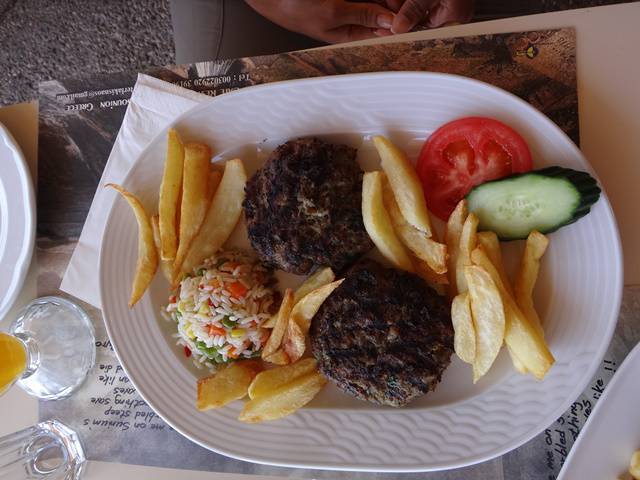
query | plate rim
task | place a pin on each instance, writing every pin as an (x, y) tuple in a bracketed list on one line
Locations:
[(479, 458), (23, 262)]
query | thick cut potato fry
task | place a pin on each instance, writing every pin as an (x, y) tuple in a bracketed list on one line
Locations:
[(522, 338), (468, 242), (452, 236), (378, 224), (280, 327), (196, 196), (269, 380), (491, 245), (405, 184), (294, 342), (221, 218), (488, 318), (279, 357), (283, 400), (147, 263), (464, 340), (527, 275), (166, 266), (320, 278), (423, 270), (170, 187), (426, 249), (226, 385), (634, 465)]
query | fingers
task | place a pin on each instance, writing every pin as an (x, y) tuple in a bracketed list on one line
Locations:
[(411, 13), (394, 5), (369, 15), (350, 33), (448, 11)]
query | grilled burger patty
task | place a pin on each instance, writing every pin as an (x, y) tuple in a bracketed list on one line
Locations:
[(383, 335), (303, 207)]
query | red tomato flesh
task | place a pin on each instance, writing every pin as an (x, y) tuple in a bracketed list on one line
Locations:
[(465, 153)]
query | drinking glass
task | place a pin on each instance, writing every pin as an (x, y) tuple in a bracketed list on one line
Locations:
[(47, 451), (49, 349)]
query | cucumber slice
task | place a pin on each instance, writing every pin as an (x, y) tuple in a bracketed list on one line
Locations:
[(542, 200)]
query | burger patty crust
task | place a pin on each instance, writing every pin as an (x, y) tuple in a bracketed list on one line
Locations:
[(383, 335), (303, 207)]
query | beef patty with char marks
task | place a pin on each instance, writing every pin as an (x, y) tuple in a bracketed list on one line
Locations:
[(383, 335), (303, 207)]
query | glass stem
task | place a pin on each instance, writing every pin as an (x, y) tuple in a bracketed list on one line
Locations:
[(33, 355)]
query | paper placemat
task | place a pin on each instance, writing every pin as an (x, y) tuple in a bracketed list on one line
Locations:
[(79, 121)]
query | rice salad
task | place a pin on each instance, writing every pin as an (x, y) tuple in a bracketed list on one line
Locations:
[(219, 309)]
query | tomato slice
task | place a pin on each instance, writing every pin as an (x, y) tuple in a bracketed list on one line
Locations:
[(465, 153)]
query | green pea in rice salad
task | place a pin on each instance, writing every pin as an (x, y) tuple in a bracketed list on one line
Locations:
[(219, 309)]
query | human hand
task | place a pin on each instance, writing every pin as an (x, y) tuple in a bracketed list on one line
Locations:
[(433, 13), (332, 21)]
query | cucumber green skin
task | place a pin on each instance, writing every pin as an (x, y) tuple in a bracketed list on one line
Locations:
[(585, 185)]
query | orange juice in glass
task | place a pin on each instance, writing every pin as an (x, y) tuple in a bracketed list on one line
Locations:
[(13, 360)]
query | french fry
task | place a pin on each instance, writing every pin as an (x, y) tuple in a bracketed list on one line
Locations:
[(166, 266), (279, 357), (226, 385), (278, 331), (170, 195), (634, 465), (491, 245), (464, 340), (283, 400), (527, 275), (405, 184), (378, 224), (427, 249), (467, 244), (147, 263), (196, 196), (521, 337), (266, 382), (221, 218), (488, 318), (321, 277), (300, 319), (452, 240)]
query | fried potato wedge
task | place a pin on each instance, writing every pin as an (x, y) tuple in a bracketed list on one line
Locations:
[(226, 385), (321, 277), (280, 327), (464, 340), (491, 245), (468, 242), (221, 218), (427, 249), (266, 382), (294, 342), (378, 224), (527, 275), (147, 263), (405, 184), (452, 235), (522, 338), (283, 400), (170, 188), (634, 465), (196, 195), (166, 266), (488, 318), (279, 357)]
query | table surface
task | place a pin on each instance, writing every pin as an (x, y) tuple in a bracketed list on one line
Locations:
[(609, 109)]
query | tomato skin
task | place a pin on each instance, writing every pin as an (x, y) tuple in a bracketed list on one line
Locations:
[(464, 153)]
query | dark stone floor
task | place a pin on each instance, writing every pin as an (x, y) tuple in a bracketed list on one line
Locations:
[(47, 39)]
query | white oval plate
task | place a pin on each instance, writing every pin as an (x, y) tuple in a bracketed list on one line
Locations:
[(459, 424), (612, 433), (17, 220)]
